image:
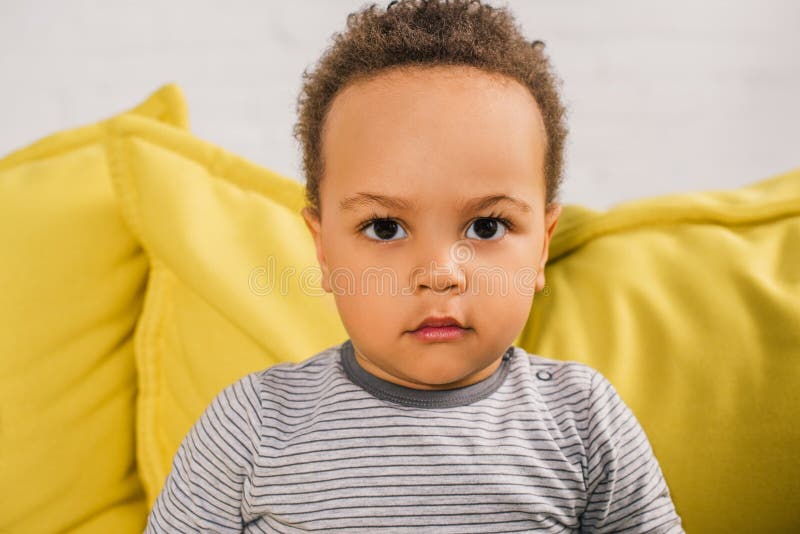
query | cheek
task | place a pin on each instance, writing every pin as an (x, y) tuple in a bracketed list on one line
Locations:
[(508, 271), (501, 317), (368, 315), (374, 273), (506, 299), (502, 286), (345, 249)]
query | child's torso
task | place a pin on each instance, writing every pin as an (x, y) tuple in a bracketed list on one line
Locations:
[(334, 456)]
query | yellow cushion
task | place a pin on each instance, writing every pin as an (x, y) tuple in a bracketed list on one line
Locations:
[(72, 279), (690, 305), (687, 303), (234, 283)]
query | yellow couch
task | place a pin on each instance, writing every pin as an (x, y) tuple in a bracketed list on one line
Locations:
[(145, 269)]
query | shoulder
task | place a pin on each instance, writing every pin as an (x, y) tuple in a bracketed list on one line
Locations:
[(624, 485), (557, 380), (243, 396), (239, 408), (583, 402), (286, 382), (314, 367), (577, 395)]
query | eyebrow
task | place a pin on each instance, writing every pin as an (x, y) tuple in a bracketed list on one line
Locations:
[(364, 199)]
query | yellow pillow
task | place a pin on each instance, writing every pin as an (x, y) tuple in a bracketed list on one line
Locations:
[(72, 279), (234, 284), (690, 305)]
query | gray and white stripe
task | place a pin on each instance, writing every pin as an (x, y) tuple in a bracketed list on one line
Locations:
[(541, 445)]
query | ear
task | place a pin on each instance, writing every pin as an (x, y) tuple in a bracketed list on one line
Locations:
[(313, 224), (550, 221)]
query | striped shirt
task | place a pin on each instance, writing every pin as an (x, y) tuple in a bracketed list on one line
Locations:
[(323, 445)]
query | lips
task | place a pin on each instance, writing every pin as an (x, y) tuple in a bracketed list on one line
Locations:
[(439, 322)]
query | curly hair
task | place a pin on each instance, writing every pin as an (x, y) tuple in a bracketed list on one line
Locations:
[(420, 33)]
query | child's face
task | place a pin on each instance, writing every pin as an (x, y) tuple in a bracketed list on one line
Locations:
[(435, 139)]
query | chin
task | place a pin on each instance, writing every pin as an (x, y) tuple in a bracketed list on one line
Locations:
[(438, 379)]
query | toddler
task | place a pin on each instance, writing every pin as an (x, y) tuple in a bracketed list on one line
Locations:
[(433, 135)]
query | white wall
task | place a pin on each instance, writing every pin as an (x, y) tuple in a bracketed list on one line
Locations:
[(663, 97)]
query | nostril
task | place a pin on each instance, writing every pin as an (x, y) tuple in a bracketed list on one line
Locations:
[(438, 278)]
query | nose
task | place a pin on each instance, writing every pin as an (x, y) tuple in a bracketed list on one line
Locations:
[(443, 270)]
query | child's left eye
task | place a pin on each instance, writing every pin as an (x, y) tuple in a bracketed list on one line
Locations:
[(486, 228)]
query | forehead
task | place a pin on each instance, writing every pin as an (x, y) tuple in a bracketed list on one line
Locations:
[(412, 130)]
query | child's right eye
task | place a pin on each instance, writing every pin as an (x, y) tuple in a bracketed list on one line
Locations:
[(382, 229)]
